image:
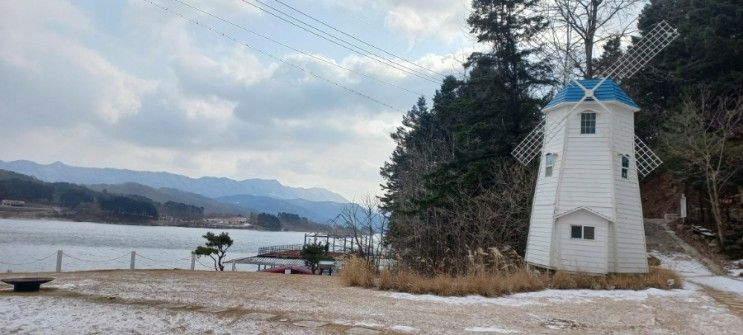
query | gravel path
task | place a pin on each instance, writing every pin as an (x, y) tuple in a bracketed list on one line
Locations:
[(177, 301)]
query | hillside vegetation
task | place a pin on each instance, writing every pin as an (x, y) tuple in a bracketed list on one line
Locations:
[(85, 204), (452, 186)]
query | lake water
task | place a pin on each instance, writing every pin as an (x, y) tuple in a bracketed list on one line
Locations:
[(31, 245)]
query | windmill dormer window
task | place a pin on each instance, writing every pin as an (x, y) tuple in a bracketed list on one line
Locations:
[(625, 166), (549, 164), (588, 123)]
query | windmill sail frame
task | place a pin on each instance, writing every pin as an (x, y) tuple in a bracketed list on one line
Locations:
[(658, 38)]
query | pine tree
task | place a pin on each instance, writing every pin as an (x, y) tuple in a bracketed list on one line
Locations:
[(455, 157)]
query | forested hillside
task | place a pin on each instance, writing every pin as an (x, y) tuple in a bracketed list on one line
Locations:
[(451, 185), (83, 202), (163, 195)]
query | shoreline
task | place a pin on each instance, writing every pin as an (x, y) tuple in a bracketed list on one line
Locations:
[(155, 223)]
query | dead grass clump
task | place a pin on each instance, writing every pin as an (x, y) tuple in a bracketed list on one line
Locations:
[(483, 283), (570, 281), (656, 278), (491, 283), (357, 272)]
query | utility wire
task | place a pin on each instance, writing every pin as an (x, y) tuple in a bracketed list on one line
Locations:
[(356, 38), (96, 260), (229, 37), (30, 262), (340, 42), (321, 59)]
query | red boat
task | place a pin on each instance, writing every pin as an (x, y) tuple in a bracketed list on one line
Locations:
[(294, 269)]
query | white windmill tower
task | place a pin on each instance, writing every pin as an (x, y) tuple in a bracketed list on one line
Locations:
[(587, 213)]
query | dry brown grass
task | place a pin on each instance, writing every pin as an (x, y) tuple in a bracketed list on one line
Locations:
[(482, 283), (356, 272), (657, 278)]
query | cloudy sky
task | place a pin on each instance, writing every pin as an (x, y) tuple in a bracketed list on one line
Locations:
[(123, 83)]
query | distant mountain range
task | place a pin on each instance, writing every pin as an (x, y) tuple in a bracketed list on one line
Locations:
[(211, 187), (216, 195)]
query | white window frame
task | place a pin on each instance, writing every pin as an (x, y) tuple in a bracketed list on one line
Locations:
[(588, 123), (624, 170), (549, 164)]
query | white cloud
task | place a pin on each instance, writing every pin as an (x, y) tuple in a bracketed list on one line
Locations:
[(442, 19), (170, 97)]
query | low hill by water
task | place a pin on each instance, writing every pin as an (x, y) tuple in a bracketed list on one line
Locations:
[(210, 205)]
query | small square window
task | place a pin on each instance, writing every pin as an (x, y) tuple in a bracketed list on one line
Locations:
[(588, 123), (576, 232), (588, 233)]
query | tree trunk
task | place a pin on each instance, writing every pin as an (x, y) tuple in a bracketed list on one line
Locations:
[(714, 203), (589, 57)]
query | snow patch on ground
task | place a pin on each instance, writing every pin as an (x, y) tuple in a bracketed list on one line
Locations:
[(404, 329), (544, 297), (695, 272), (491, 330)]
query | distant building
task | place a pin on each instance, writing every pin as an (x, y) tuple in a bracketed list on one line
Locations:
[(239, 220), (13, 203)]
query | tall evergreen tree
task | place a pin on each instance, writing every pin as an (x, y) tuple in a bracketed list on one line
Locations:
[(707, 54), (451, 164)]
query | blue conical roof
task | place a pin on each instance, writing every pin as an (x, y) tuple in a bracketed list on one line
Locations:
[(608, 91)]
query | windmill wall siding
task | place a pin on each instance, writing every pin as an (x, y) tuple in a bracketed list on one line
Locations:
[(585, 175), (630, 251), (539, 245)]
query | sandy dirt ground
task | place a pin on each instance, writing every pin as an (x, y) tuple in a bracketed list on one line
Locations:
[(188, 302)]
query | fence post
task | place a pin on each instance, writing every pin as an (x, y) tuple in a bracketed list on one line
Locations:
[(131, 263), (193, 262), (59, 260)]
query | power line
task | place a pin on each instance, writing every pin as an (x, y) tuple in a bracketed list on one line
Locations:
[(321, 59), (340, 42), (356, 38), (231, 38)]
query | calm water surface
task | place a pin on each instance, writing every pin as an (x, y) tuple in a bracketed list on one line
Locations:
[(31, 245)]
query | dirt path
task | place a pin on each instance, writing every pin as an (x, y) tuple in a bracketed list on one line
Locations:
[(732, 300), (692, 266)]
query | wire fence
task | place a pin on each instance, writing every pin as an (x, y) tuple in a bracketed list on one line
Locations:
[(36, 260), (88, 261)]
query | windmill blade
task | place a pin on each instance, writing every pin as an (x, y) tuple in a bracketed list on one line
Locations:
[(646, 159), (530, 146), (639, 55)]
